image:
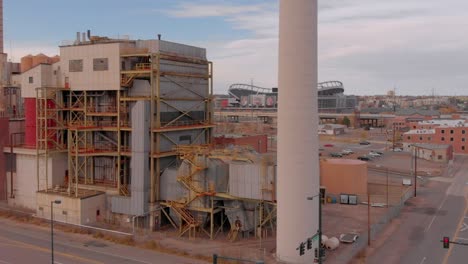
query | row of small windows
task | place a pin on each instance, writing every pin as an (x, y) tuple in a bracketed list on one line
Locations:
[(451, 131), (99, 64), (442, 139)]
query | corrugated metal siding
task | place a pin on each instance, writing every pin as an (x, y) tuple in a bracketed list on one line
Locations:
[(167, 145), (140, 88), (137, 204), (251, 181), (172, 189), (182, 49), (218, 174)]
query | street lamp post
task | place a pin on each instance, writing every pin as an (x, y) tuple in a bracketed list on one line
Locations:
[(319, 227), (52, 227)]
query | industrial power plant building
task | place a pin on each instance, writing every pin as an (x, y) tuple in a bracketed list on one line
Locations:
[(121, 129)]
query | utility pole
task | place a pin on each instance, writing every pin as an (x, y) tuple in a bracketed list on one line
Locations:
[(387, 185), (415, 167), (368, 219)]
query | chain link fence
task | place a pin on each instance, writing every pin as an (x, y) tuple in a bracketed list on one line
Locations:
[(375, 229)]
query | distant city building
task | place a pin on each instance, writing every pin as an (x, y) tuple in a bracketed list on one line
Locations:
[(331, 98), (452, 132)]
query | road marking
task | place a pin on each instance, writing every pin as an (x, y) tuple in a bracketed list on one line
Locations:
[(81, 248), (422, 261), (455, 236), (465, 227), (435, 215), (30, 246)]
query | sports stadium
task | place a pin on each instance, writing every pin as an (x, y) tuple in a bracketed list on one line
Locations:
[(331, 98)]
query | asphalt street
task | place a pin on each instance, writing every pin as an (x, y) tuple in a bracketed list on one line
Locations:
[(439, 210), (20, 244)]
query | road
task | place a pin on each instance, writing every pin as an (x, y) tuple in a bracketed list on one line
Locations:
[(22, 243), (439, 210)]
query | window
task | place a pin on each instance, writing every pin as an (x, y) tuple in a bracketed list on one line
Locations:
[(463, 147), (187, 139), (463, 132), (429, 138), (439, 157), (98, 212), (100, 64), (41, 209), (463, 139), (31, 80), (420, 138), (55, 72), (76, 65), (64, 212), (451, 131), (442, 131), (442, 138), (409, 138), (451, 139)]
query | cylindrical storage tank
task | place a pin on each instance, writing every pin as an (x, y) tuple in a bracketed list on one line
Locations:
[(298, 168), (324, 238), (40, 58), (332, 243), (344, 176), (26, 63), (30, 122)]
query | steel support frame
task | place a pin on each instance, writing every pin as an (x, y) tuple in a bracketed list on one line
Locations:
[(50, 130)]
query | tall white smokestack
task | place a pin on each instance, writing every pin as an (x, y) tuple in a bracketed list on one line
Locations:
[(298, 168)]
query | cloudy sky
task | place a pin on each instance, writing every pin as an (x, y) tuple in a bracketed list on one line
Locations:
[(370, 45)]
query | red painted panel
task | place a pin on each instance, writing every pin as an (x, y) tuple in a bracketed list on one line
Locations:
[(30, 121), (3, 139)]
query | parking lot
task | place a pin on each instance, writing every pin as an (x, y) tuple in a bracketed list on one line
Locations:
[(402, 162)]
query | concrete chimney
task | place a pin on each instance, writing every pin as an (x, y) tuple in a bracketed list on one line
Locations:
[(298, 167)]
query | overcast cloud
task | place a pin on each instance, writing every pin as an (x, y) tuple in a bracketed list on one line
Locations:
[(370, 45)]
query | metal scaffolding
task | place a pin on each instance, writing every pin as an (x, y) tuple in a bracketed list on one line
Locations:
[(51, 125), (150, 66)]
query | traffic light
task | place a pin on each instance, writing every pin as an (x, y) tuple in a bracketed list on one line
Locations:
[(309, 243), (446, 242), (302, 248)]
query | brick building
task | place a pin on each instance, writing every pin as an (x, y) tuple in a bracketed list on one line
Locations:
[(440, 132)]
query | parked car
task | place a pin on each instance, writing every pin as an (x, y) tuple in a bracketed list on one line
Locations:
[(364, 142), (364, 158), (336, 155), (378, 152), (328, 145), (347, 151), (373, 154), (397, 150)]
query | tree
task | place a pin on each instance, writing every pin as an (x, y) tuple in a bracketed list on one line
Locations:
[(346, 121)]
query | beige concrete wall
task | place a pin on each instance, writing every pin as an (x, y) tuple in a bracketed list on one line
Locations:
[(89, 79), (68, 211), (25, 178), (89, 208), (344, 176), (41, 77), (24, 182)]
